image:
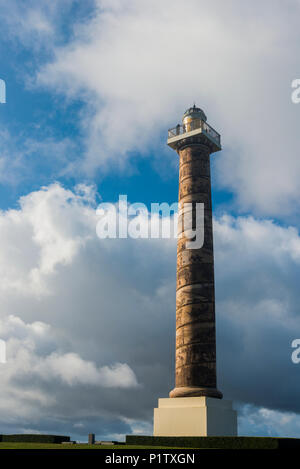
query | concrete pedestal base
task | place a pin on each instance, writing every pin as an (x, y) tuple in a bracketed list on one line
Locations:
[(194, 416)]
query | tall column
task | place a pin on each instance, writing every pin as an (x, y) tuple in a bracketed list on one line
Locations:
[(195, 295), (195, 406)]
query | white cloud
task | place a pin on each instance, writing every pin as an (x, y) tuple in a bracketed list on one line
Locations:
[(92, 326), (256, 421), (72, 369), (20, 157), (257, 266), (50, 238), (139, 65), (70, 303), (43, 227), (35, 359), (34, 24)]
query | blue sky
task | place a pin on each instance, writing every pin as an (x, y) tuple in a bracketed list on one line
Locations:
[(92, 88), (39, 114)]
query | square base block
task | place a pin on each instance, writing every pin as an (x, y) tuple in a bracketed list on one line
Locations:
[(194, 416)]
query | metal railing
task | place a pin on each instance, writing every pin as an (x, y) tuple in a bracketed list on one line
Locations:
[(193, 125)]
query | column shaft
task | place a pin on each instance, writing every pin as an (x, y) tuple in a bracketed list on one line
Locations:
[(195, 296)]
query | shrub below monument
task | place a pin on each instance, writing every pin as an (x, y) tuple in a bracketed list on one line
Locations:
[(36, 438), (214, 442)]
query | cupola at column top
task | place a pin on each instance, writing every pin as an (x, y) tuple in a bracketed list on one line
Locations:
[(194, 129), (193, 113)]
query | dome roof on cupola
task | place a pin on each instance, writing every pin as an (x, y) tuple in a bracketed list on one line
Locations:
[(195, 113)]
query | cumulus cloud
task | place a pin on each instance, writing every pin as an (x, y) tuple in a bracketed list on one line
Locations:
[(71, 369), (255, 421), (61, 335), (36, 23), (257, 266), (21, 157), (139, 64), (34, 358), (89, 323), (49, 238), (90, 342)]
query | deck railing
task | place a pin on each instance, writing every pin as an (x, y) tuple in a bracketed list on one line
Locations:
[(194, 125)]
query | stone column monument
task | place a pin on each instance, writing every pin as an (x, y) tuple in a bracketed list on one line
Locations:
[(195, 407)]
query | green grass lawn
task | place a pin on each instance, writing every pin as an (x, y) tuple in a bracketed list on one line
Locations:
[(81, 446), (190, 443)]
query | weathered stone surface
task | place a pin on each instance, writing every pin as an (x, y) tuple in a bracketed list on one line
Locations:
[(192, 185), (195, 273), (194, 294), (189, 170), (195, 373), (195, 300), (194, 256), (195, 313), (196, 332)]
